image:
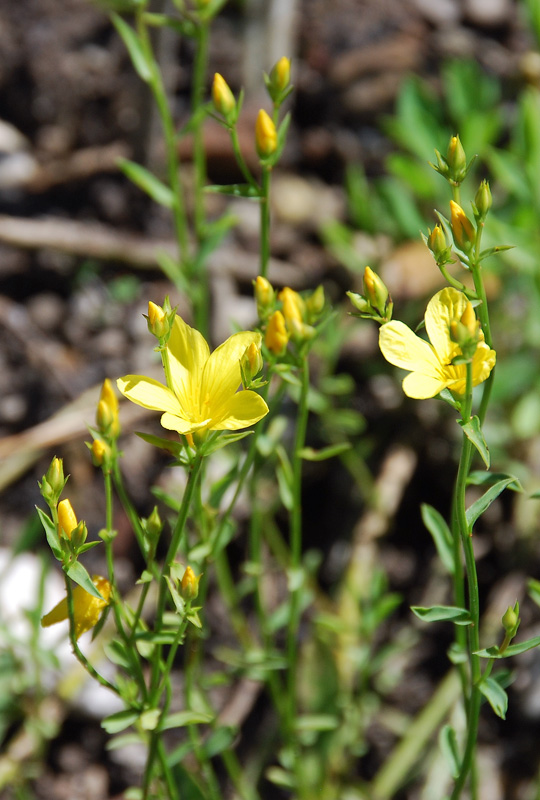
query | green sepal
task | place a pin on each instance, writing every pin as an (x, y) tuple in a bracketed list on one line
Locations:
[(134, 47), (449, 747), (147, 181), (235, 190), (495, 695), (120, 720), (511, 650), (51, 533), (309, 454), (79, 575), (473, 431), (442, 536), (459, 616), (483, 503)]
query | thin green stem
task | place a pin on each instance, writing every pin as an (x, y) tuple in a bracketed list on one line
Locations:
[(295, 518), (240, 160), (265, 220)]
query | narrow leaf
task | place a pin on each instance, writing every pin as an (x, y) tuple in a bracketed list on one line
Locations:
[(235, 190), (51, 533), (182, 718), (473, 431), (484, 502), (495, 695), (448, 744), (134, 47), (79, 575), (148, 182), (119, 721), (512, 650), (442, 536), (459, 616), (309, 454)]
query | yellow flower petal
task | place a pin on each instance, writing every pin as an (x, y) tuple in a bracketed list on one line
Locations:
[(403, 348), (172, 422), (420, 386), (188, 353), (241, 410), (222, 377), (148, 393), (445, 306)]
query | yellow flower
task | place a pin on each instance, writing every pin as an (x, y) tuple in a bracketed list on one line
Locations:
[(86, 608), (265, 135), (430, 364), (203, 395)]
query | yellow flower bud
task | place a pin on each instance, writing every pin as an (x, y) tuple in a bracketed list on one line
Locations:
[(462, 228), (107, 411), (264, 295), (315, 304), (468, 319), (253, 355), (99, 452), (265, 135), (67, 520), (87, 609), (293, 305), (359, 302), (377, 293), (280, 75), (276, 337), (436, 241), (483, 199), (189, 588), (53, 482), (223, 98), (157, 320), (456, 159)]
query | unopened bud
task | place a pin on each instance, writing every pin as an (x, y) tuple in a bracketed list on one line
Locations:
[(377, 294), (456, 159), (483, 199), (468, 319), (254, 357), (280, 77), (53, 482), (78, 536), (462, 228), (109, 423), (436, 241), (360, 303), (67, 520), (293, 305), (154, 525), (315, 304), (158, 324), (265, 135), (100, 452), (300, 332), (276, 336), (510, 619), (264, 295), (224, 100), (189, 587)]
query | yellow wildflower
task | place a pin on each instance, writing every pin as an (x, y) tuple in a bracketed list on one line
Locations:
[(430, 365), (203, 395), (87, 609)]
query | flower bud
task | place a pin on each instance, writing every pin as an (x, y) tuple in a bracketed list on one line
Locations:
[(100, 452), (280, 75), (104, 417), (456, 159), (107, 410), (189, 587), (67, 520), (158, 324), (377, 294), (154, 525), (78, 536), (300, 332), (293, 305), (483, 199), (224, 100), (276, 336), (462, 228), (360, 303), (436, 241), (265, 135), (315, 304), (468, 319), (510, 619), (53, 482), (254, 357), (264, 295)]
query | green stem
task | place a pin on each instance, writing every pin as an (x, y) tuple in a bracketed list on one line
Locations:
[(240, 159), (296, 548), (265, 220)]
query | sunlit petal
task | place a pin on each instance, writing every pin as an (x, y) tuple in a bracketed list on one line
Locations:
[(173, 422), (188, 353), (483, 362), (420, 386), (222, 375), (403, 348), (447, 305), (241, 410), (148, 393)]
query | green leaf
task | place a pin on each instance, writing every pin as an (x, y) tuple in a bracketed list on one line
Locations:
[(316, 722), (134, 47), (309, 454), (512, 650), (495, 695), (459, 616), (182, 718), (117, 653), (79, 575), (449, 746), (484, 502), (51, 533), (442, 536), (235, 190), (473, 431), (483, 478), (219, 740), (164, 444), (148, 182), (223, 440), (119, 721), (533, 587)]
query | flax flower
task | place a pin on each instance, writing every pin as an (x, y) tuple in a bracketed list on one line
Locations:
[(87, 609), (430, 365), (203, 394)]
